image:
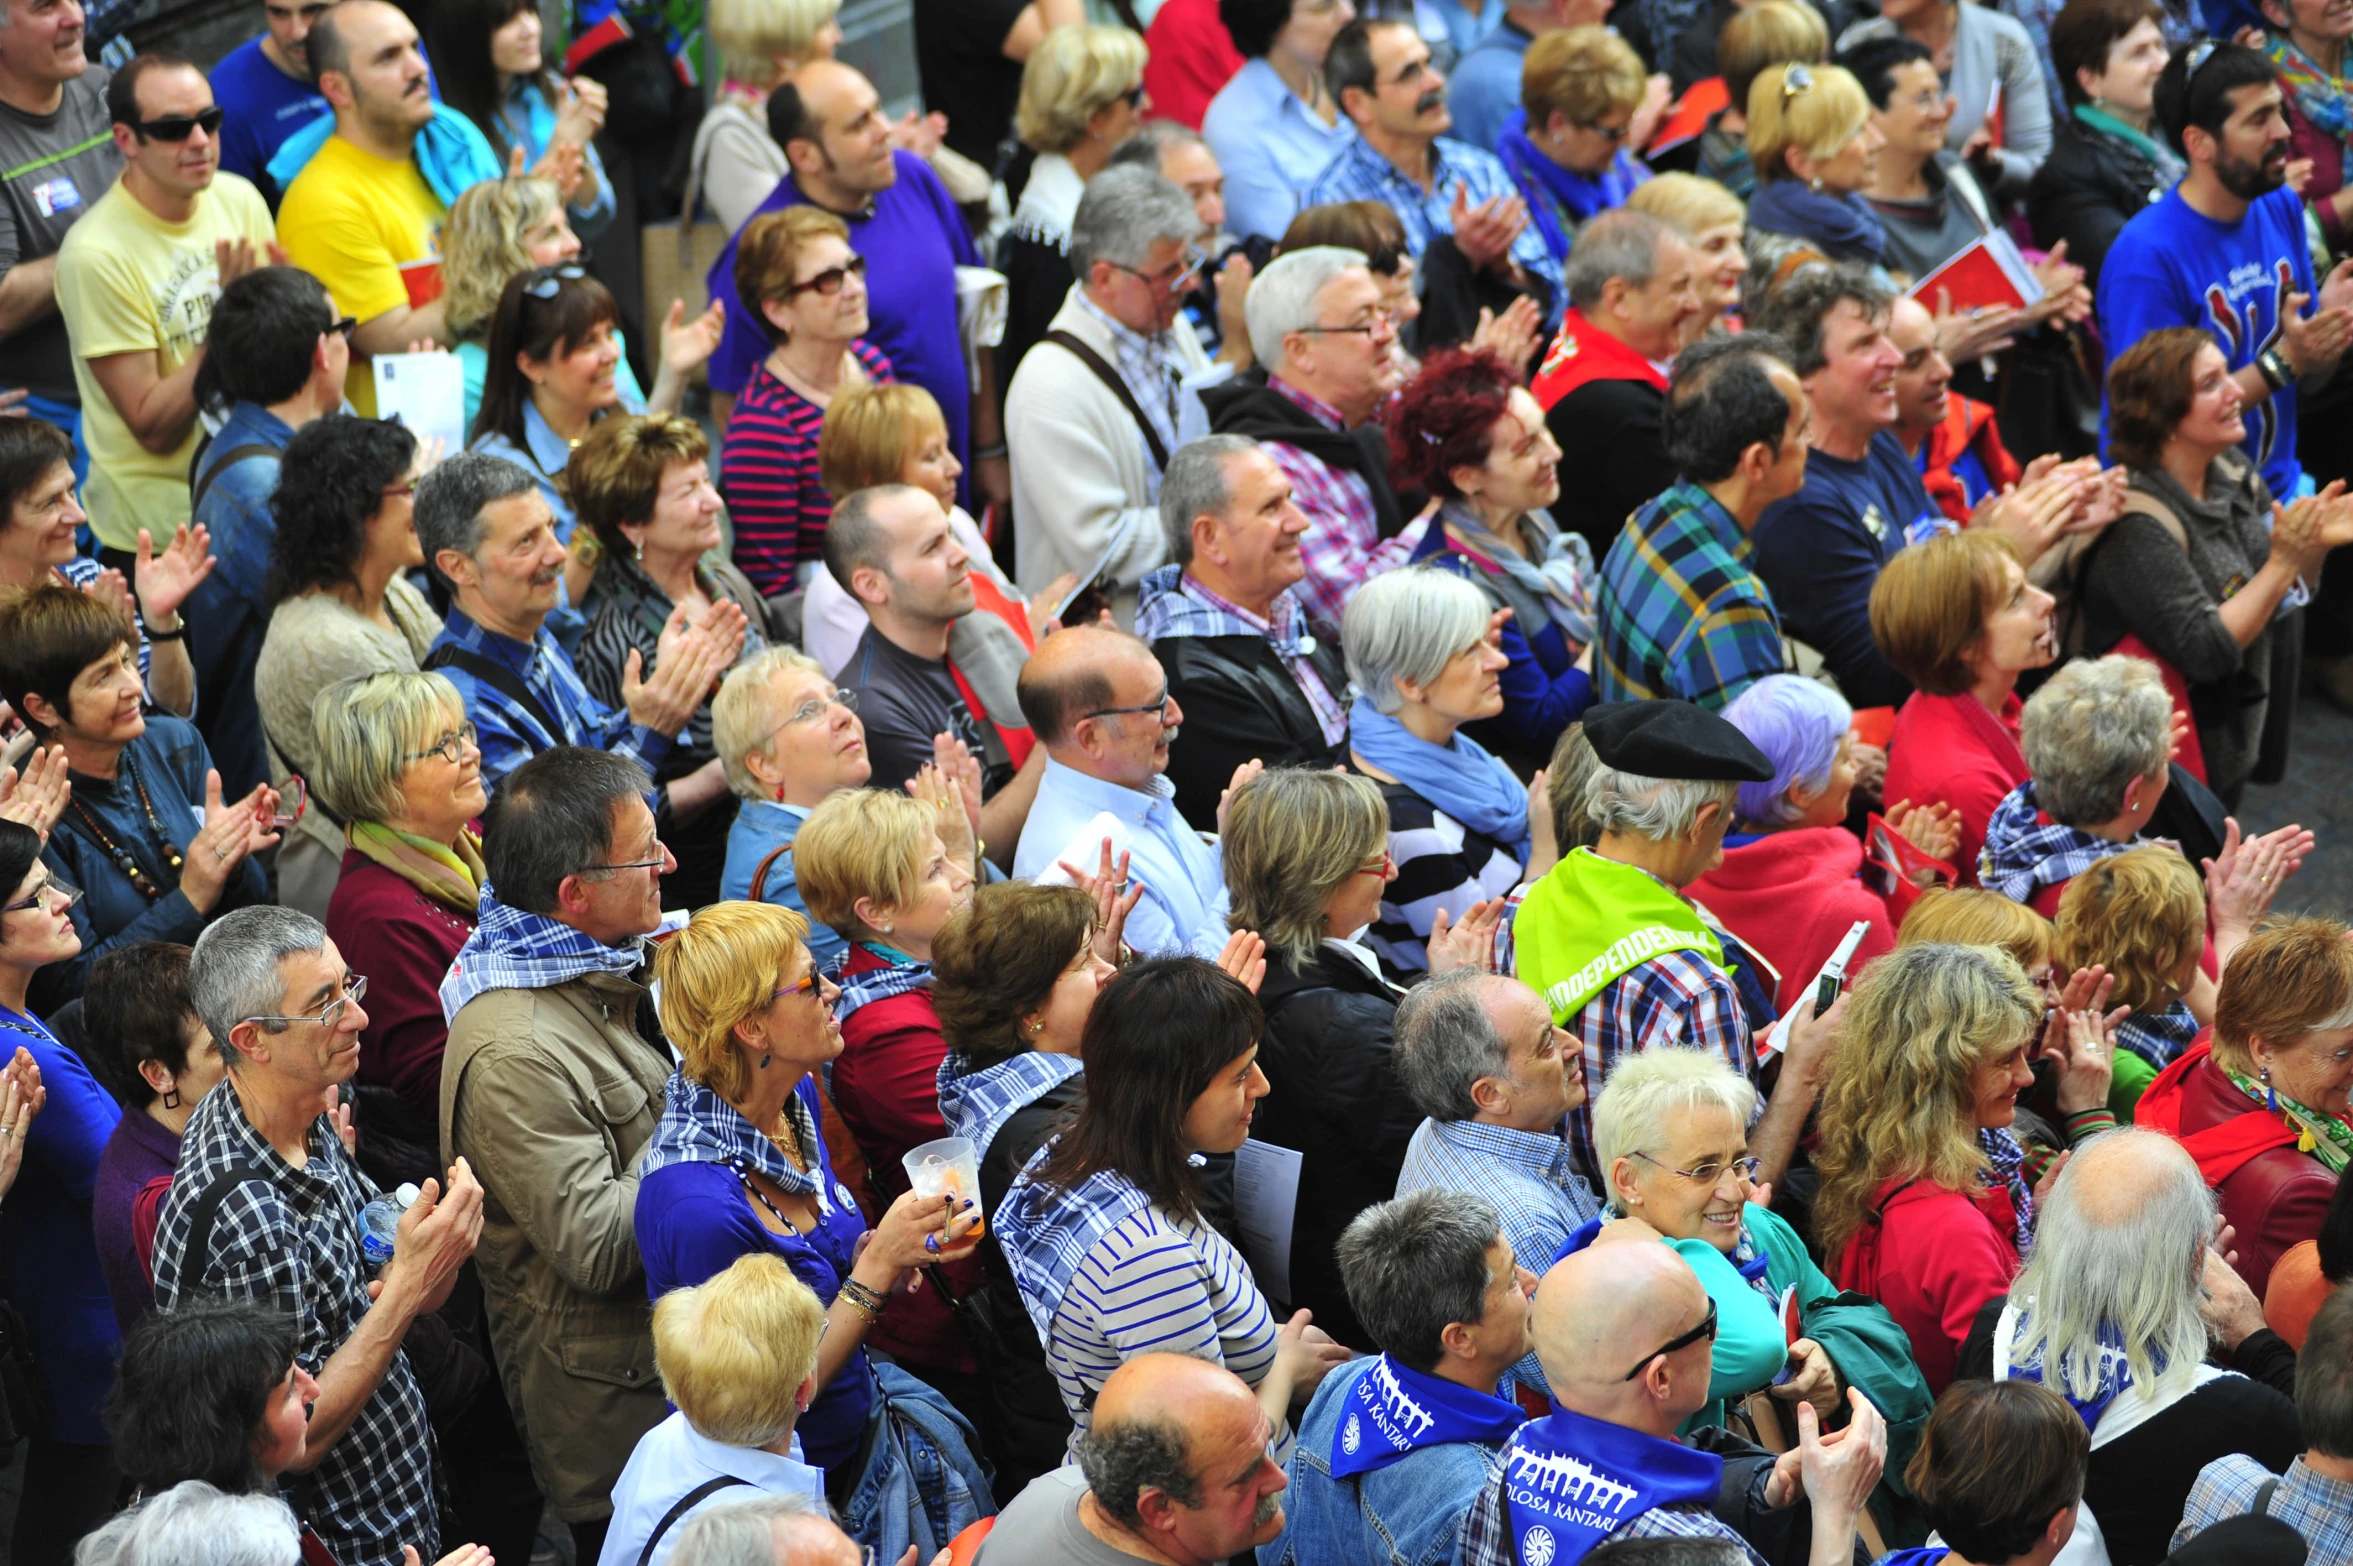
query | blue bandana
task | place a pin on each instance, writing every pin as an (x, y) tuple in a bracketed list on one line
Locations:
[(1460, 777), (1569, 1482), (2115, 1373), (2009, 1164), (1393, 1412), (700, 1127), (2158, 1037), (903, 976), (514, 950), (1045, 1232), (1577, 197), (976, 1104), (2024, 853)]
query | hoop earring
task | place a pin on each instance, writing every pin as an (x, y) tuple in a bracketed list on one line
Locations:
[(171, 1099)]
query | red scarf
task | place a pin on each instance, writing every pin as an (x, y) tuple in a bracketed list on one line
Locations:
[(1966, 424), (1584, 352)]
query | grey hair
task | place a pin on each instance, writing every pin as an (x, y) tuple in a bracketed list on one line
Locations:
[(551, 818), (1445, 1042), (1647, 1091), (2324, 1378), (1415, 1266), (1282, 298), (2092, 728), (2135, 1275), (233, 972), (1408, 625), (1124, 213), (1122, 1461), (1656, 808), (1195, 486), (743, 1533), (1153, 141), (193, 1524), (451, 499), (1620, 243)]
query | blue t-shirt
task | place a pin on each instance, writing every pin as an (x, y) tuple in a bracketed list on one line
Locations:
[(264, 106), (2174, 266), (1820, 552)]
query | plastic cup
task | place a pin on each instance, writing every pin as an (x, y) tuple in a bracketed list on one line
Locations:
[(949, 1167)]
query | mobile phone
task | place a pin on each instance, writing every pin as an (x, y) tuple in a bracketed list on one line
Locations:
[(1832, 978)]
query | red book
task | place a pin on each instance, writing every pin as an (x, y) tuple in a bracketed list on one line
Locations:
[(1988, 274)]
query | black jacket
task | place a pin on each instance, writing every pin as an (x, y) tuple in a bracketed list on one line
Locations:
[(1247, 405), (1241, 703), (1612, 458), (1335, 1100), (1032, 1428), (2088, 188)]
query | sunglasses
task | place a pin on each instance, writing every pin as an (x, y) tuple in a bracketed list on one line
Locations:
[(343, 326), (548, 281), (179, 127), (1134, 97), (829, 282), (1706, 1329)]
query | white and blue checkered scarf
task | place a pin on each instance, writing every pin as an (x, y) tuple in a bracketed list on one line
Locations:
[(700, 1127), (514, 950), (976, 1104), (1046, 1231), (2023, 853)]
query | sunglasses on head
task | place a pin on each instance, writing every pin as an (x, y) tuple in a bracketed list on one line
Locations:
[(179, 127), (547, 281)]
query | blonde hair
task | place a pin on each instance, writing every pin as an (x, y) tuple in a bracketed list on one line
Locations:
[(1581, 74), (1293, 837), (2141, 915), (861, 842), (742, 720), (482, 246), (735, 1349), (367, 729), (1647, 1090), (752, 33), (721, 968), (2290, 978), (1694, 205), (871, 434), (1899, 1102), (1074, 74), (1816, 120), (1972, 916), (1773, 32)]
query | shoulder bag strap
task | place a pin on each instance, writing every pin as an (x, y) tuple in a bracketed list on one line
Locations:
[(498, 677), (2263, 1494), (2141, 503), (759, 889), (229, 459), (205, 1209), (1119, 388), (686, 1503)]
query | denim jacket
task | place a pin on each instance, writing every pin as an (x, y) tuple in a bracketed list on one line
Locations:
[(1408, 1513), (920, 1478)]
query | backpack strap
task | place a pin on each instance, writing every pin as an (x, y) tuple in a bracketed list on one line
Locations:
[(228, 459), (1119, 388), (2140, 503), (2263, 1495), (759, 888), (498, 677), (686, 1503), (207, 1207)]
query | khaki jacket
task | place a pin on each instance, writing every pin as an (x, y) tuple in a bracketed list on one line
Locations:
[(552, 1096)]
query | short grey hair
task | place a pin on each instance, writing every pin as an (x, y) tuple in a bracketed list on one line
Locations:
[(1445, 1042), (2134, 1275), (1415, 1266), (551, 818), (1195, 486), (193, 1524), (1408, 625), (742, 720), (1122, 1461), (451, 499), (743, 1533), (1282, 298), (1124, 213), (1153, 141), (1619, 243), (1651, 1090), (2092, 728), (233, 972), (1656, 808)]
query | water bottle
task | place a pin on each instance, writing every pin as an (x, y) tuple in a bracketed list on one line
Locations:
[(379, 1221)]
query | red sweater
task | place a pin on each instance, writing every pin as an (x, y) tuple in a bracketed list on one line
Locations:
[(1791, 897), (1933, 1257), (404, 942), (1950, 748), (1188, 57)]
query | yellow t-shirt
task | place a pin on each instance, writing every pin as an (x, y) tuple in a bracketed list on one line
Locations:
[(370, 229), (129, 282)]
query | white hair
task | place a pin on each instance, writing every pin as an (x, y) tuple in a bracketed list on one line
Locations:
[(743, 1533), (193, 1524), (1408, 625), (1657, 808), (2092, 728), (1282, 298), (1649, 1092)]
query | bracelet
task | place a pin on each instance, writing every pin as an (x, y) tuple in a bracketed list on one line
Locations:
[(988, 453), (153, 635), (865, 1299), (2275, 369)]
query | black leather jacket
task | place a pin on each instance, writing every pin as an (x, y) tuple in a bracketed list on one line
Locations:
[(2090, 186), (1241, 702)]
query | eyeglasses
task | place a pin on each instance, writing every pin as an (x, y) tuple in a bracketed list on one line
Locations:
[(1195, 258), (51, 886), (406, 489), (1707, 1173), (1609, 132), (1134, 97), (545, 282), (1382, 321), (802, 985), (1379, 868), (451, 747), (661, 858), (343, 326), (1706, 1329), (829, 282), (817, 706), (1794, 80), (353, 988), (1159, 709), (179, 127)]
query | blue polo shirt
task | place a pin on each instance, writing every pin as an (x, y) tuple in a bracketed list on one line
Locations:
[(264, 106)]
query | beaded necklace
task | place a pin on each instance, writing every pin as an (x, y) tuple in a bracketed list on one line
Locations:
[(120, 854), (17, 1022)]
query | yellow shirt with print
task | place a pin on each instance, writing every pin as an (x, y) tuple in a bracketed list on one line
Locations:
[(370, 229), (129, 282)]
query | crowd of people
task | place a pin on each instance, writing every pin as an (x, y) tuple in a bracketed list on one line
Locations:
[(1447, 785)]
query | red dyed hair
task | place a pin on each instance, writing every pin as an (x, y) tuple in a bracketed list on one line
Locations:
[(1445, 419)]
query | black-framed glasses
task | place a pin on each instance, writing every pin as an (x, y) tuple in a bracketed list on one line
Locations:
[(1159, 709), (1708, 1173), (1609, 132), (1134, 97), (1796, 79), (829, 282), (451, 747), (343, 326), (1382, 321), (51, 886), (353, 988), (1195, 258), (1706, 1329), (179, 127), (545, 282)]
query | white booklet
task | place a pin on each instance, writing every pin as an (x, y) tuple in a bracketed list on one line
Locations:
[(426, 392)]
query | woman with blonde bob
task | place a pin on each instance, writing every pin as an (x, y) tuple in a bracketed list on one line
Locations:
[(2142, 917), (738, 1358), (2260, 1098), (1814, 145), (788, 739), (1923, 1205), (1565, 146), (1968, 916), (738, 1168)]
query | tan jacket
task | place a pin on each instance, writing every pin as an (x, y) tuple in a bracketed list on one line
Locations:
[(552, 1096)]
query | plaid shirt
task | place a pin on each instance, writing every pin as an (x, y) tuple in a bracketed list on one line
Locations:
[(291, 1241), (1487, 1540), (510, 733), (1342, 545), (1683, 612), (1361, 174), (1169, 602), (2319, 1508), (1149, 366), (2159, 1036), (2025, 851)]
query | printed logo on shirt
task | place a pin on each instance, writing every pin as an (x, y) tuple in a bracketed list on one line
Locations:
[(57, 195), (1873, 522), (1352, 1437), (2245, 310)]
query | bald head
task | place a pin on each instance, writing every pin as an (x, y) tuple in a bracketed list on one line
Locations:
[(1600, 1311), (1178, 1452), (2120, 1176), (1173, 1389), (1078, 671)]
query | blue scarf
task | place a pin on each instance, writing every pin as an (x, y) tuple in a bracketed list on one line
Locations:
[(451, 152), (1577, 196), (1842, 227), (1392, 1412), (1045, 1232), (903, 975), (700, 1127), (976, 1104), (2115, 1373), (1459, 777), (514, 950), (2024, 853), (2009, 1159), (2158, 1037), (1569, 1482)]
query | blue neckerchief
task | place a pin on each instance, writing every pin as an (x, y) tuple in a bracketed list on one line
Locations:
[(1748, 1258), (2159, 1037), (863, 989), (1581, 196), (700, 1127), (1842, 227), (514, 950), (1045, 1232), (1569, 1482), (976, 1104), (451, 152), (1393, 1412), (1924, 1555), (2008, 1160), (1459, 777), (2115, 1373), (2023, 853)]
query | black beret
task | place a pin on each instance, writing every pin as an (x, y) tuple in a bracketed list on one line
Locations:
[(1673, 740)]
